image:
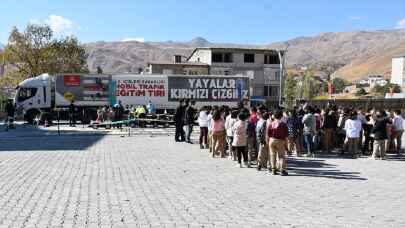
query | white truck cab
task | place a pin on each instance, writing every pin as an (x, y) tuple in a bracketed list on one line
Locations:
[(33, 95)]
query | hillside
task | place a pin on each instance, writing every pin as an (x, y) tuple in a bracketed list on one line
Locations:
[(361, 52), (377, 64)]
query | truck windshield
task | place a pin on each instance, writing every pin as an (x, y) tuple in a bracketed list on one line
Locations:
[(25, 93)]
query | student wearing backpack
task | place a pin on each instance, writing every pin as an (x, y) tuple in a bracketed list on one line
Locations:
[(293, 124), (263, 157), (277, 134)]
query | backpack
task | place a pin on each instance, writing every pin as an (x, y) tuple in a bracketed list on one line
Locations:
[(261, 135), (251, 129)]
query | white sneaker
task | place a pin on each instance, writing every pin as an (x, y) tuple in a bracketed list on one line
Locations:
[(239, 165)]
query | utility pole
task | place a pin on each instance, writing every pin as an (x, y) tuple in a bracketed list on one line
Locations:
[(282, 55)]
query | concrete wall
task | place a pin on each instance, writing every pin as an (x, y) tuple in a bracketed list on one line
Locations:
[(398, 71), (204, 56), (178, 69)]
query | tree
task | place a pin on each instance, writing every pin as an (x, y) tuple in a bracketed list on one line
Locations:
[(308, 86), (290, 89), (361, 92), (339, 85), (34, 51), (382, 90)]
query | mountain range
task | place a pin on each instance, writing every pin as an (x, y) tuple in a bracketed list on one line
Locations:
[(360, 53)]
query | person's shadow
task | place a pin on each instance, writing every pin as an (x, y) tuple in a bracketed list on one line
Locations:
[(319, 168)]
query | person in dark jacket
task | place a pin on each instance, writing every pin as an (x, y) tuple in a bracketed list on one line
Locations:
[(178, 119), (189, 117), (380, 135), (72, 114), (329, 126), (10, 109)]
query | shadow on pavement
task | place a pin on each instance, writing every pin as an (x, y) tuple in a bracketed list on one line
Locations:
[(29, 138), (395, 157), (319, 168), (50, 143)]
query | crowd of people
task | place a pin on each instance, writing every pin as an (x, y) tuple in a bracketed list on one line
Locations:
[(119, 112), (264, 137)]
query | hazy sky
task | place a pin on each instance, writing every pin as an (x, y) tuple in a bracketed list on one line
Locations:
[(236, 21)]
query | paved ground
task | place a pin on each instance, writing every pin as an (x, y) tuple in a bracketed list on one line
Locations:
[(143, 181)]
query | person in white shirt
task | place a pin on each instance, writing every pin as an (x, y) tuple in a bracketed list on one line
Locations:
[(398, 123), (353, 128), (230, 120), (210, 111), (203, 123)]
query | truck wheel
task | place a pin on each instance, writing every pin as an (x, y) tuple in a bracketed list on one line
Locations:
[(31, 115)]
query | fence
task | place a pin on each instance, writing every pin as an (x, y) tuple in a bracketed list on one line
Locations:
[(365, 104)]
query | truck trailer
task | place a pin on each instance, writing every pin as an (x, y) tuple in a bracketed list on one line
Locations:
[(48, 93)]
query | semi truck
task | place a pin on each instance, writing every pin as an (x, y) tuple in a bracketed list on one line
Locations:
[(52, 94)]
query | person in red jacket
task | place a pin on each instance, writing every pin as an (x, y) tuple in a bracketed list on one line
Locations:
[(277, 133)]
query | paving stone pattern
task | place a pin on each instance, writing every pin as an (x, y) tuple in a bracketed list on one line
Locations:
[(143, 181)]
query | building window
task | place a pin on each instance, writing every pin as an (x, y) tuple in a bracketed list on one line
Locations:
[(222, 57), (167, 71), (249, 58), (277, 76), (270, 91), (227, 57), (217, 57), (271, 59)]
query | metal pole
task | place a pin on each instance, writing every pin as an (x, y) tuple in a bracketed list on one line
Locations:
[(282, 72), (58, 123), (83, 118)]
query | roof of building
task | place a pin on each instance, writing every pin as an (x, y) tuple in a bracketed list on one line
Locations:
[(261, 50), (179, 64)]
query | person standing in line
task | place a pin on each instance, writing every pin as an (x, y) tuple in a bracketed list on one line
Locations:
[(300, 136), (293, 125), (178, 119), (230, 120), (218, 134), (211, 111), (261, 127), (353, 129), (380, 135), (240, 139), (329, 126), (189, 119), (367, 127), (252, 143), (277, 134), (362, 117), (203, 123), (309, 130), (318, 133), (398, 123), (72, 114)]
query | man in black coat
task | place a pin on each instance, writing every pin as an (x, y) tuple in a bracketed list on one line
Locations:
[(178, 119), (72, 114), (189, 119)]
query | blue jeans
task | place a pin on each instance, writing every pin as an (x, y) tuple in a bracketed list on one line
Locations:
[(189, 130), (309, 143)]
